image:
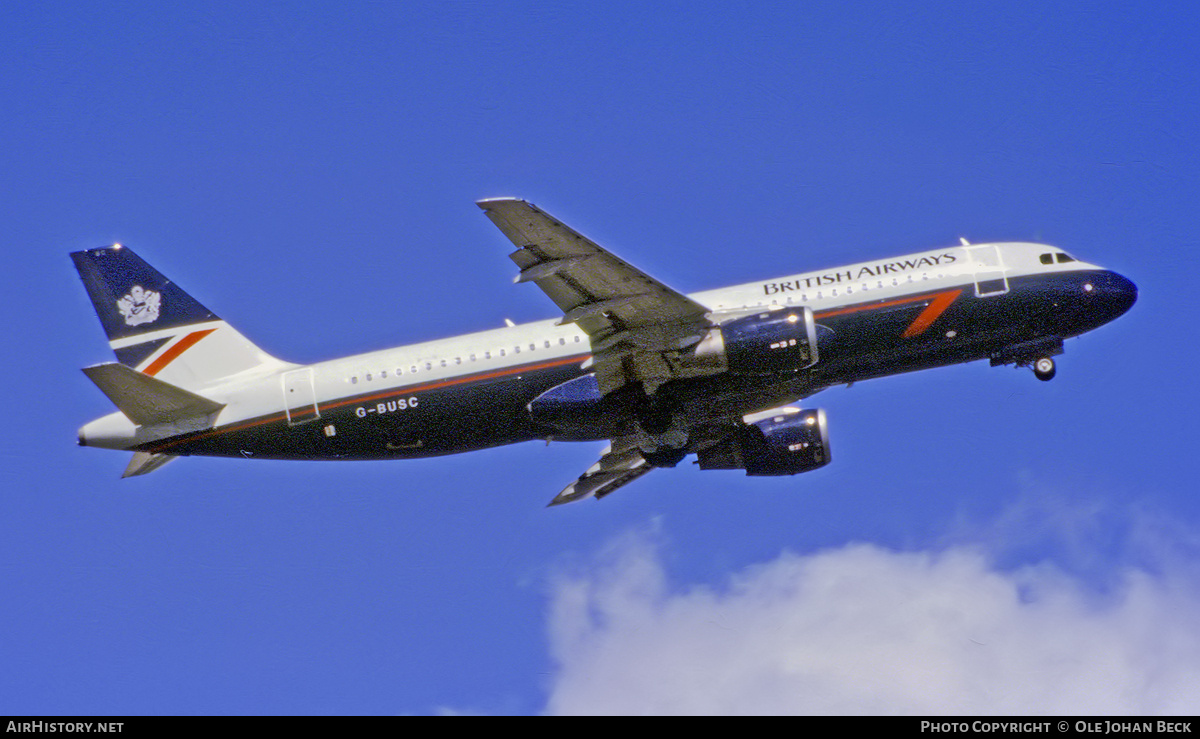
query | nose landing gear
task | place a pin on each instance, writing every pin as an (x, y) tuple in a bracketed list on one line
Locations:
[(1036, 354), (1044, 369)]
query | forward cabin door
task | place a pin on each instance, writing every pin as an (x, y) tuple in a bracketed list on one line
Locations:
[(299, 396), (990, 277)]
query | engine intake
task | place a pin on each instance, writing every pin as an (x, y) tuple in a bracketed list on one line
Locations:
[(782, 441)]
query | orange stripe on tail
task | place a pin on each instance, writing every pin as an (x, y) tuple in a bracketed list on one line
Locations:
[(170, 355)]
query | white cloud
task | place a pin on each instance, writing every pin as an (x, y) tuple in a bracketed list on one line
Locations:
[(861, 629)]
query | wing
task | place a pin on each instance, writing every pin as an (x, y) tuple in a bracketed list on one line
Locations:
[(634, 322), (620, 464)]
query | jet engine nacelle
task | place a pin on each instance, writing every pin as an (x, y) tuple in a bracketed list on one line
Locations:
[(763, 343), (576, 411), (782, 441)]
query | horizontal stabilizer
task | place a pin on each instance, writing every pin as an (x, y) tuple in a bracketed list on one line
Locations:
[(145, 462), (148, 401)]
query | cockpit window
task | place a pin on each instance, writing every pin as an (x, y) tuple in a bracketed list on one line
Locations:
[(1047, 258), (1062, 258)]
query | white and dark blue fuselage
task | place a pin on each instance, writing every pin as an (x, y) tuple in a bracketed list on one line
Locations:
[(1009, 303)]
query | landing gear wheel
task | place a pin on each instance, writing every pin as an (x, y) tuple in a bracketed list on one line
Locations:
[(1044, 369)]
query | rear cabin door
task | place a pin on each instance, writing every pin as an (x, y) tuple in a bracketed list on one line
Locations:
[(300, 397)]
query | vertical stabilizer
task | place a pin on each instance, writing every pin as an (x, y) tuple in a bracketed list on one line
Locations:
[(153, 326)]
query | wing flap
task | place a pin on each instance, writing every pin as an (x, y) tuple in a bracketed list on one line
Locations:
[(630, 317), (577, 271), (614, 470)]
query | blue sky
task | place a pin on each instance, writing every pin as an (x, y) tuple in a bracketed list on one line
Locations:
[(982, 543)]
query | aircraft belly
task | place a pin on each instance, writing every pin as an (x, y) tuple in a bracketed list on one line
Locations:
[(424, 420)]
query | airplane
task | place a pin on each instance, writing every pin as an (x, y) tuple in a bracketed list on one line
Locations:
[(658, 374)]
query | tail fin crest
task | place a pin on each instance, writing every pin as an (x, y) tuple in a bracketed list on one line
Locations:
[(157, 328)]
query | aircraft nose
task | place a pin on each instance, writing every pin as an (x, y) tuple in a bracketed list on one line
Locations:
[(1116, 291)]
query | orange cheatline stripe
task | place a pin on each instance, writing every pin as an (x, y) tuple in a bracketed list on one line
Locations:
[(868, 306), (939, 303), (936, 308), (179, 347)]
